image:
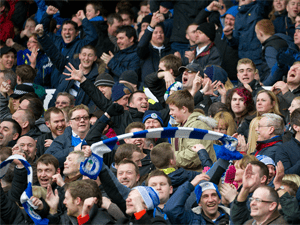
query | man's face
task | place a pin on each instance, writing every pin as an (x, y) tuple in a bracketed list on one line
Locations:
[(28, 145), (57, 123), (106, 91), (294, 105), (126, 175), (279, 5), (201, 38), (30, 25), (71, 165), (19, 116), (245, 73), (229, 20), (255, 176), (123, 41), (144, 10), (188, 77), (210, 202), (82, 126), (123, 101), (260, 210), (130, 202), (158, 36), (263, 130), (45, 173), (87, 58), (237, 104), (139, 101), (62, 102), (139, 142), (126, 20), (297, 37), (191, 34), (258, 35), (152, 123), (68, 33), (244, 2), (69, 202), (136, 158), (6, 133), (113, 28), (177, 113), (160, 183), (294, 75), (32, 43), (297, 21), (264, 103), (272, 172), (24, 104), (90, 12), (293, 8), (15, 103), (7, 60)]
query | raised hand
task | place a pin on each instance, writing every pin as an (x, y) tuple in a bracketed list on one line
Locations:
[(9, 42), (37, 202), (199, 178), (87, 205), (58, 180), (80, 15), (87, 150), (197, 147), (39, 29), (214, 6), (75, 74), (107, 57), (32, 57), (51, 10), (52, 199), (228, 192)]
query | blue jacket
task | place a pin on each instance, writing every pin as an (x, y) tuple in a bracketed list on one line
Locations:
[(65, 85), (289, 155), (123, 60), (244, 36), (61, 146), (44, 66), (149, 55), (271, 150), (68, 50), (283, 24), (177, 214)]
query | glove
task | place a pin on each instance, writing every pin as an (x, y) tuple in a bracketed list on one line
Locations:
[(285, 59), (115, 110)]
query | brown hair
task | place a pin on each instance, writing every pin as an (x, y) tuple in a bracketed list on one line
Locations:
[(273, 98), (227, 118), (182, 98), (26, 73), (48, 159), (71, 97), (172, 62), (134, 125), (53, 110), (127, 161), (125, 151), (156, 173), (264, 171), (161, 155)]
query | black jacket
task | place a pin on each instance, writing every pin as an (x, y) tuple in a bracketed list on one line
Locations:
[(40, 143)]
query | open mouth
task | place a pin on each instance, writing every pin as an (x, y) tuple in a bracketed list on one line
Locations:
[(184, 80), (68, 37)]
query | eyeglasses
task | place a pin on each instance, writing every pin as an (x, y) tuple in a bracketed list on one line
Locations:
[(77, 119), (259, 200), (259, 126), (63, 103)]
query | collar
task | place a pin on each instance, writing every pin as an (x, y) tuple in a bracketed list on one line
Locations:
[(199, 51), (168, 170), (76, 135)]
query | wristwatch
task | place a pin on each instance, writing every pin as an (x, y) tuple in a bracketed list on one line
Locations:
[(280, 188)]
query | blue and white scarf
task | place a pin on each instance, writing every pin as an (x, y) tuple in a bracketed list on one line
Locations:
[(107, 145), (26, 195)]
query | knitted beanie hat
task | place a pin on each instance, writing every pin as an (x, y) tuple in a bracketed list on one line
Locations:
[(104, 79), (200, 188), (208, 29), (153, 115), (129, 76), (118, 91), (149, 195)]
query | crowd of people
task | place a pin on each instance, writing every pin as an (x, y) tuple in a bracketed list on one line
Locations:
[(229, 67)]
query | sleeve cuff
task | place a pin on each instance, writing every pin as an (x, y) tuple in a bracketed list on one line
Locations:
[(151, 29), (83, 220), (139, 215), (104, 119)]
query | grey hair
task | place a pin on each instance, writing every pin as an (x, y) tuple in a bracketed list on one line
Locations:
[(80, 155), (276, 121)]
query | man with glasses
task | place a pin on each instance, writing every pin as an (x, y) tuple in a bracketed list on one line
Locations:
[(269, 131), (73, 136), (264, 207), (64, 99)]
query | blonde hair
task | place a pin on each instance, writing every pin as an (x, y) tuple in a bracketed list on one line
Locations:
[(39, 192), (292, 177), (252, 136), (228, 120), (273, 98), (228, 85)]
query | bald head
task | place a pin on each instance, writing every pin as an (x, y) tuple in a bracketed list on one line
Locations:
[(28, 145)]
